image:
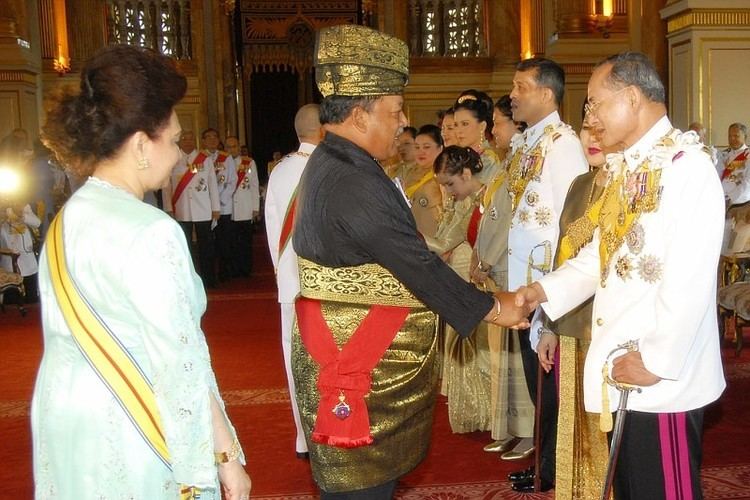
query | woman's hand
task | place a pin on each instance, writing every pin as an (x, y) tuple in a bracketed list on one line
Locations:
[(234, 481)]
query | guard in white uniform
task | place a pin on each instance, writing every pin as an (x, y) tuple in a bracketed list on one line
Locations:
[(192, 196), (544, 160), (733, 165), (279, 210), (652, 267), (15, 234), (226, 180), (245, 208)]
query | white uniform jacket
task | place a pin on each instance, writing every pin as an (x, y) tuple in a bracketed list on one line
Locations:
[(246, 198), (535, 227), (226, 179), (660, 287), (736, 180), (281, 186), (200, 197), (19, 240)]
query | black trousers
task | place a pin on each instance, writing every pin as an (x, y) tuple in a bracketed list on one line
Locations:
[(381, 492), (224, 233), (660, 456), (205, 257), (548, 424), (242, 250)]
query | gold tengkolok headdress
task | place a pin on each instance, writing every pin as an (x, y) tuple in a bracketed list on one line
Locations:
[(352, 60)]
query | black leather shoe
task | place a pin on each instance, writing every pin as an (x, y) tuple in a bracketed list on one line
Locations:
[(303, 455), (521, 475), (527, 486)]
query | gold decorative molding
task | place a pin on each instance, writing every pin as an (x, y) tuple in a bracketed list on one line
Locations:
[(709, 18), (191, 99), (19, 76), (578, 68)]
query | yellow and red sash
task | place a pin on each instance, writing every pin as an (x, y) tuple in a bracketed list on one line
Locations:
[(288, 225), (104, 352), (107, 356), (736, 163), (187, 177)]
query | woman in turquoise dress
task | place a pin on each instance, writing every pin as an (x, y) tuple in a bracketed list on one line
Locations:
[(126, 403)]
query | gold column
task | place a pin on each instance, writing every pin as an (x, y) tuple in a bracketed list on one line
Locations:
[(86, 31), (572, 17), (532, 28)]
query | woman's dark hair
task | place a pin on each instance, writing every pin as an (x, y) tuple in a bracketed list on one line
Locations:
[(503, 106), (123, 90), (411, 131), (433, 131), (454, 159), (479, 103)]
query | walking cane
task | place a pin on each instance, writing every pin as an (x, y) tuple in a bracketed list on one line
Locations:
[(538, 431), (605, 423)]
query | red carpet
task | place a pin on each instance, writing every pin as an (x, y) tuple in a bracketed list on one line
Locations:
[(242, 326)]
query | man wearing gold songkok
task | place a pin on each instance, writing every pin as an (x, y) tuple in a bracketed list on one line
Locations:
[(363, 353)]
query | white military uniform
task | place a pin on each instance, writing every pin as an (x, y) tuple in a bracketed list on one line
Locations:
[(282, 184), (226, 179), (246, 198), (200, 197), (735, 176), (17, 237), (660, 286), (535, 227)]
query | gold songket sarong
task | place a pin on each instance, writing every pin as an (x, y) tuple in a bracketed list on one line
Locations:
[(582, 449), (404, 382)]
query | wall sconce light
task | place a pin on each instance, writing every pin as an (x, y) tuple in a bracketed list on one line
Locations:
[(601, 17), (61, 65)]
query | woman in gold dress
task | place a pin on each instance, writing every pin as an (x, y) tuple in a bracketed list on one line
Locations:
[(582, 449), (472, 114), (420, 185), (466, 362), (512, 408)]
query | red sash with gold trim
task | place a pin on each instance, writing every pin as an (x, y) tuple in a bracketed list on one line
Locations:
[(288, 225), (245, 166), (187, 177), (345, 375), (221, 158), (735, 164)]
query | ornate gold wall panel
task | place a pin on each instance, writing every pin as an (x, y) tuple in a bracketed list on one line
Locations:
[(281, 34)]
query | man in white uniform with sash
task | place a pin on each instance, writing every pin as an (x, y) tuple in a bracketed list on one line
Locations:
[(281, 202)]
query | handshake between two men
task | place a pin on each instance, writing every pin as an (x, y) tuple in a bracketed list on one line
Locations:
[(512, 309)]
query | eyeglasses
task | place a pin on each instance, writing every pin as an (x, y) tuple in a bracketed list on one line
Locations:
[(591, 108)]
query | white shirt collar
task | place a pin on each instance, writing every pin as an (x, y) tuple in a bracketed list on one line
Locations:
[(534, 133), (306, 147), (636, 153)]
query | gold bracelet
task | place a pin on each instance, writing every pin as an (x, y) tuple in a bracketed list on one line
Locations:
[(223, 457), (498, 310)]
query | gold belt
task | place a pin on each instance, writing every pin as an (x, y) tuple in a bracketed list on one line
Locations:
[(365, 284)]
